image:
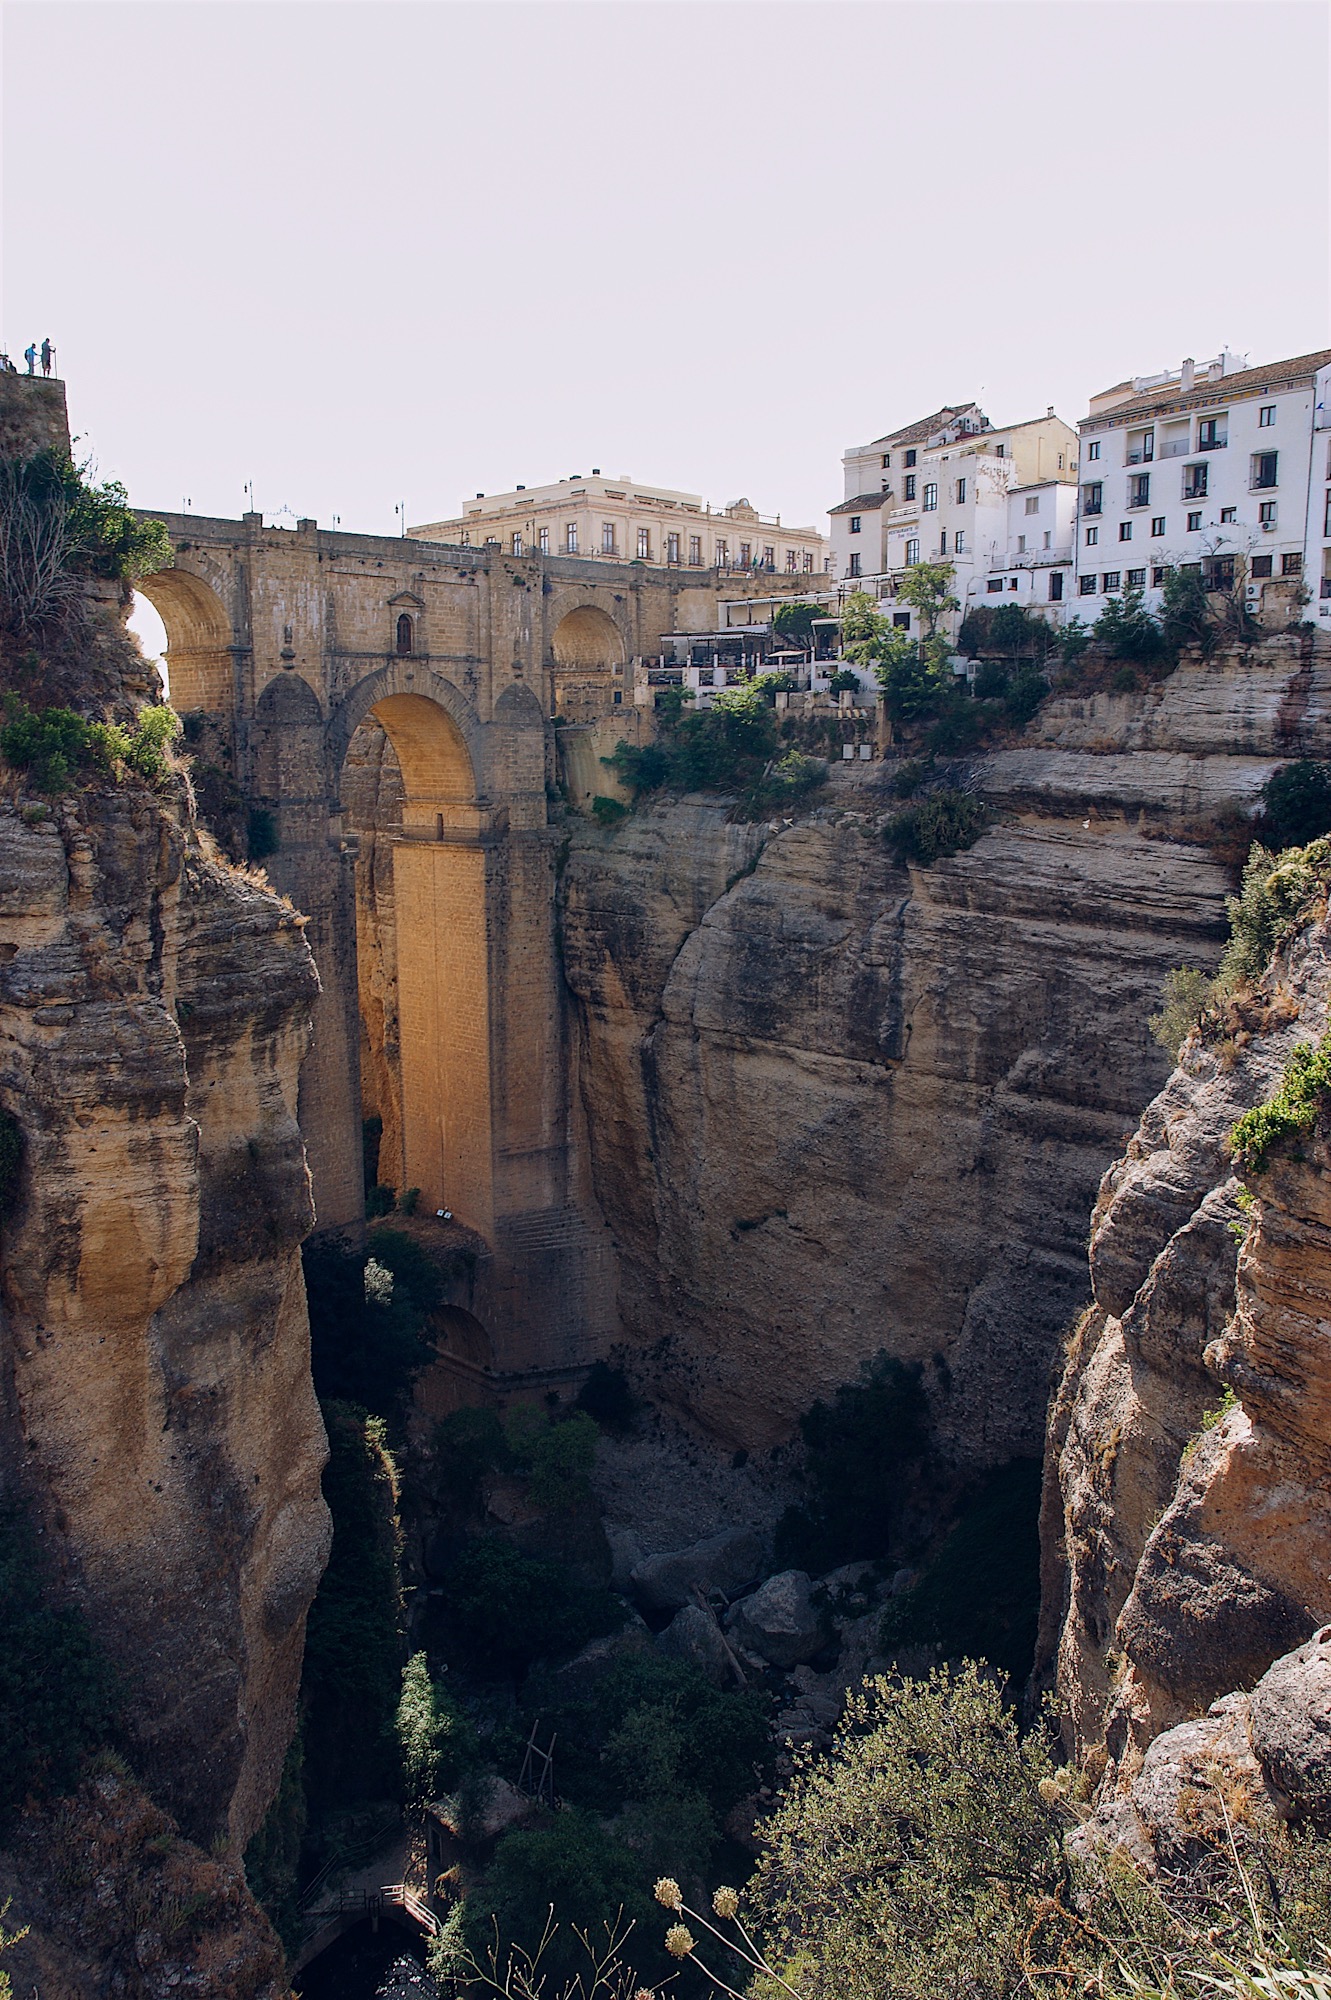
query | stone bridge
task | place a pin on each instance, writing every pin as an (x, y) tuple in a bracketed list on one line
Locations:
[(382, 711)]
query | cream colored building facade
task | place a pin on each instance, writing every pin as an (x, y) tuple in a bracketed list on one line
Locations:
[(619, 520)]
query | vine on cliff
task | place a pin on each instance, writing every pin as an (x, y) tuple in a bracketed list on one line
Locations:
[(1292, 1108)]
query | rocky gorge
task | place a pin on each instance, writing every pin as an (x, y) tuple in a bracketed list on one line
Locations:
[(846, 1120)]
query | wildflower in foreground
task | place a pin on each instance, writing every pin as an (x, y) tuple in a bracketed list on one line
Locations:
[(667, 1891), (725, 1902), (678, 1941)]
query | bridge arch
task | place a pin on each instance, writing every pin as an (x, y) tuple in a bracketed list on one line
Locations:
[(198, 641), (432, 727), (587, 653)]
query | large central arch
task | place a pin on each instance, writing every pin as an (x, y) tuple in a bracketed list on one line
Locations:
[(441, 898)]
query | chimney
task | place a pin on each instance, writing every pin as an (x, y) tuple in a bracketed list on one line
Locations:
[(1050, 411), (1188, 375)]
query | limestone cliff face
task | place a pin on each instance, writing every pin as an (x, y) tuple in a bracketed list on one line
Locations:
[(836, 1105), (1184, 1555), (160, 1416)]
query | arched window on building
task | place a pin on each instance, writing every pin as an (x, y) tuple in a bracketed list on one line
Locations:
[(405, 636)]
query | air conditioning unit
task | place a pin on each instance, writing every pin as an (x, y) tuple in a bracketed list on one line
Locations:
[(1268, 527), (1252, 590)]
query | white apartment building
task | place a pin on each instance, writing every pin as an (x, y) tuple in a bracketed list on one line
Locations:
[(619, 520), (1224, 466), (1036, 565), (941, 491)]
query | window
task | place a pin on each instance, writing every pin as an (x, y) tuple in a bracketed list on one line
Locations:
[(745, 554), (1262, 565), (723, 555), (571, 537), (959, 542), (854, 569), (1266, 416), (1139, 489), (695, 551), (1266, 513), (1291, 565), (901, 621), (465, 538), (1060, 461), (792, 560), (930, 500), (543, 536), (1056, 586), (995, 583), (1092, 537), (1086, 586), (1218, 572), (517, 545), (1158, 575), (1264, 464), (1326, 518), (909, 486), (1033, 504), (942, 542), (887, 461), (1194, 482), (1174, 443), (1157, 524), (1093, 449), (1021, 545), (1228, 514), (1093, 497), (1141, 447), (961, 493), (1012, 582), (644, 545), (607, 538), (1111, 580), (1125, 531), (672, 548), (855, 520), (808, 561), (1213, 433), (769, 557), (1194, 524), (1000, 451), (910, 458), (1136, 579), (405, 636), (912, 551)]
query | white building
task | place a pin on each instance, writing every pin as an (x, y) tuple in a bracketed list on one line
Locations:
[(942, 492), (620, 520), (1223, 466), (1035, 566)]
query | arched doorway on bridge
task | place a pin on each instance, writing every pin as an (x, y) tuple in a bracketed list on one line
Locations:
[(588, 663), (198, 641), (409, 794)]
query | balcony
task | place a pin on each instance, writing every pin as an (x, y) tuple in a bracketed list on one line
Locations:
[(1175, 448), (1260, 483), (1326, 587), (1195, 492), (1093, 507), (1212, 444), (1139, 457)]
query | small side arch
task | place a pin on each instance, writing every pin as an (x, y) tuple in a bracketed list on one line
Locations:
[(288, 740), (198, 641)]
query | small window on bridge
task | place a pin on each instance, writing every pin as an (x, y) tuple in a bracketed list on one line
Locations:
[(405, 636)]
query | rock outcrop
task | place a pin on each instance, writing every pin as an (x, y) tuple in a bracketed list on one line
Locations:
[(836, 1105), (1188, 1510), (154, 1009)]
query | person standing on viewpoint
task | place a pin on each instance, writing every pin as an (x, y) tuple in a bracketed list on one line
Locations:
[(30, 356), (47, 354)]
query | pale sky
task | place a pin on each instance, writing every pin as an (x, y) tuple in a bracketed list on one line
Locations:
[(362, 254)]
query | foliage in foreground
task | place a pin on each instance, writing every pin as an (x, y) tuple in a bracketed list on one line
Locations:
[(59, 528)]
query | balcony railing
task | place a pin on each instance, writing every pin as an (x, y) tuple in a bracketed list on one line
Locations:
[(1212, 444), (1175, 448), (1326, 587), (1263, 485), (1139, 457), (1195, 492), (1093, 507)]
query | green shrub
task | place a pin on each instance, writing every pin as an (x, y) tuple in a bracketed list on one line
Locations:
[(1186, 617), (979, 1598), (860, 1453), (468, 1445), (53, 744), (843, 681), (788, 780), (502, 1609), (1127, 631), (261, 836), (945, 822), (57, 528), (643, 768), (607, 1397), (368, 1349), (1188, 994), (353, 1647), (992, 678), (437, 1743), (607, 811), (574, 1866), (1293, 1107), (794, 620), (56, 1693), (1297, 801), (1275, 891), (920, 1843)]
